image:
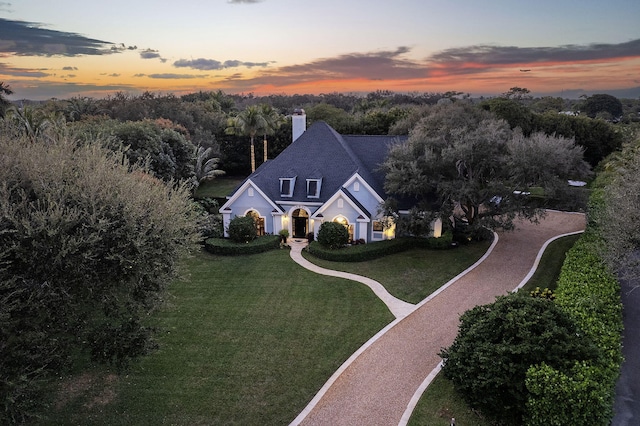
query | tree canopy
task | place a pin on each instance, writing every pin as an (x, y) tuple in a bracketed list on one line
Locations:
[(476, 168), (602, 103)]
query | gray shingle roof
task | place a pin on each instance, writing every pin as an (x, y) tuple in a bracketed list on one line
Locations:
[(320, 152)]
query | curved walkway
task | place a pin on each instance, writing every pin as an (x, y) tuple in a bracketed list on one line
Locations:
[(379, 383), (399, 308)]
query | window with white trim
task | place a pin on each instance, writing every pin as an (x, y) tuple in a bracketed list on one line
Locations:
[(378, 229), (313, 188), (286, 186)]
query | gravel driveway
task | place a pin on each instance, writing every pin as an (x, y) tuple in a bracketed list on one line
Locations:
[(376, 386)]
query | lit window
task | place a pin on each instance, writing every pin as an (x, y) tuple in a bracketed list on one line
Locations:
[(286, 186), (259, 221), (341, 220), (378, 226), (313, 188)]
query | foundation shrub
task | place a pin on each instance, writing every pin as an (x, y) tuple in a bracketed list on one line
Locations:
[(226, 247), (375, 250), (333, 235), (242, 229)]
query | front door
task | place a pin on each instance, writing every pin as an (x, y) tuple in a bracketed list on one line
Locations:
[(300, 220), (299, 227)]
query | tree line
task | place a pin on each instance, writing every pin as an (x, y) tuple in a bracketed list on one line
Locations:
[(205, 118)]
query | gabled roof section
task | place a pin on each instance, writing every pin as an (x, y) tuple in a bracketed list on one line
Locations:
[(342, 193), (241, 189), (321, 152), (355, 201)]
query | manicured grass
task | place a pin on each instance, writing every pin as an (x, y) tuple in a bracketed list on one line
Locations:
[(219, 187), (245, 340), (251, 339), (414, 274), (441, 402), (550, 264)]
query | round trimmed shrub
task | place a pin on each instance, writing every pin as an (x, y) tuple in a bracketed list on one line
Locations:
[(496, 345), (333, 235), (242, 229)]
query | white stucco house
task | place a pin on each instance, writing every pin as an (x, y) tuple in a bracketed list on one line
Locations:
[(322, 176)]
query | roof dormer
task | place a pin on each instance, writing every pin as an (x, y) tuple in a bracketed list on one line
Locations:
[(286, 186), (314, 187)]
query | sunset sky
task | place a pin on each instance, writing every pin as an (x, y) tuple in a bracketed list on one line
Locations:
[(67, 48)]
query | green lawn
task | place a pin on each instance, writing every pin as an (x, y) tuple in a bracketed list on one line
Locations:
[(549, 269), (219, 187), (414, 274), (245, 340), (250, 340)]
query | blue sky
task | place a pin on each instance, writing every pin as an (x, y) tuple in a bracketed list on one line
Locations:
[(72, 48)]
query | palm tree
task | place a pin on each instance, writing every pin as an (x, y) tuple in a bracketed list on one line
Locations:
[(248, 123), (273, 120), (4, 103), (206, 165)]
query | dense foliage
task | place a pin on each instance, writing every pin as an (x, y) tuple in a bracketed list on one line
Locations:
[(621, 216), (374, 250), (86, 248), (497, 343), (158, 144), (242, 229), (333, 235), (598, 137), (590, 294), (460, 161), (599, 104)]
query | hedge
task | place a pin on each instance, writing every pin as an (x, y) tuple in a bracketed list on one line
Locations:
[(226, 247), (590, 294), (370, 251)]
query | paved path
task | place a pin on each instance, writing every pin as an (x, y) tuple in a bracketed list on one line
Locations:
[(377, 384), (399, 308)]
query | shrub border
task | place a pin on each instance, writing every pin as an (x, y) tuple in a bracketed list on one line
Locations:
[(375, 250), (590, 293), (226, 247)]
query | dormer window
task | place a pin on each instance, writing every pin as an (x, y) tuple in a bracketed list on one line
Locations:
[(313, 188), (286, 186)]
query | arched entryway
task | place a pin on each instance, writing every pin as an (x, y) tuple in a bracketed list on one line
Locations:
[(343, 221), (259, 220), (300, 223)]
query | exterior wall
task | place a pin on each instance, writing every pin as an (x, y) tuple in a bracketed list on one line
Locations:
[(341, 207), (361, 193), (370, 201), (245, 202)]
